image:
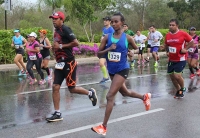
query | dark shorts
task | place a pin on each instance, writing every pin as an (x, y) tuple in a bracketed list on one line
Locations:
[(20, 51), (148, 46), (124, 73), (154, 49), (45, 54), (68, 73), (193, 55), (176, 67), (141, 50), (103, 56)]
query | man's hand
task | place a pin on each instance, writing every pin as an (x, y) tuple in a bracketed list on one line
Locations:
[(183, 51), (155, 40), (56, 45), (113, 46), (12, 45), (130, 53), (28, 49), (162, 47)]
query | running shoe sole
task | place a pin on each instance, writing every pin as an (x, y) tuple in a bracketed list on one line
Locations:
[(55, 120), (95, 96)]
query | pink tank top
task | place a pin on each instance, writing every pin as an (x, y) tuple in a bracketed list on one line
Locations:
[(31, 46), (196, 39)]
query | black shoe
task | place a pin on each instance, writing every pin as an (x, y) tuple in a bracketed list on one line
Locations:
[(56, 116), (93, 97), (182, 92), (147, 60), (177, 95)]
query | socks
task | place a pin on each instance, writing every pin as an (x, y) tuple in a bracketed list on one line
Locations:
[(47, 70), (89, 93), (58, 112), (104, 71), (191, 70)]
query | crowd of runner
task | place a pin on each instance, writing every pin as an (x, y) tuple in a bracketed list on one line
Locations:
[(117, 43)]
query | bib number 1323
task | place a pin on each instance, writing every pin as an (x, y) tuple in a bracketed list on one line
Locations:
[(114, 56), (60, 65)]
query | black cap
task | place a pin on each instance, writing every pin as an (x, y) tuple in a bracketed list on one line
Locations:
[(192, 28), (107, 18)]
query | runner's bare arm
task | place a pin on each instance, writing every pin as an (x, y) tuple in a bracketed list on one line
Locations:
[(48, 43), (25, 41), (102, 49), (69, 45), (131, 41), (35, 50)]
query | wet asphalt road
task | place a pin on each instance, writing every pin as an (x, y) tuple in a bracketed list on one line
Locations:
[(23, 108)]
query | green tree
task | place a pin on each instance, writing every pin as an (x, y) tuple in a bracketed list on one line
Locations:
[(1, 1), (52, 3), (181, 8), (84, 11)]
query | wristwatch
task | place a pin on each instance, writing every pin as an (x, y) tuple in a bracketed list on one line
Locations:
[(60, 46)]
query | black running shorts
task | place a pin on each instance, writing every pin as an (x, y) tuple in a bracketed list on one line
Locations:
[(68, 73), (124, 73)]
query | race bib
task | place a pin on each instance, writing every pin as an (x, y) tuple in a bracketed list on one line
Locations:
[(60, 65), (114, 56), (191, 50), (172, 49), (142, 45), (33, 57), (17, 46)]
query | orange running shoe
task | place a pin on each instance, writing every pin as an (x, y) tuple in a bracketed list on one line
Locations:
[(100, 129), (147, 101)]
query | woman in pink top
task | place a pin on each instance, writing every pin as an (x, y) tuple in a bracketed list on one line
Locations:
[(34, 58), (193, 55)]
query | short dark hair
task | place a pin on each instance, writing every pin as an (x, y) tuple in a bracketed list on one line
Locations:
[(125, 24), (121, 15), (152, 26), (174, 20)]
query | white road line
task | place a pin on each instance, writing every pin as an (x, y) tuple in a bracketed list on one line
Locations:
[(109, 122), (64, 87)]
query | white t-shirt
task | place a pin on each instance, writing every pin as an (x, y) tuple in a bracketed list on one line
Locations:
[(149, 39), (139, 40), (155, 35)]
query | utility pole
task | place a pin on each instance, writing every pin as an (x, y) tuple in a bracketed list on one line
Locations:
[(5, 19), (7, 8)]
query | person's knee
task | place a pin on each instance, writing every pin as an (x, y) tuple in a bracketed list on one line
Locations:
[(72, 89), (101, 63), (177, 76), (193, 64), (16, 60), (56, 88), (109, 97)]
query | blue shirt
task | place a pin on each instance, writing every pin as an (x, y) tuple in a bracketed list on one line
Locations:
[(107, 30), (122, 49), (18, 40)]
